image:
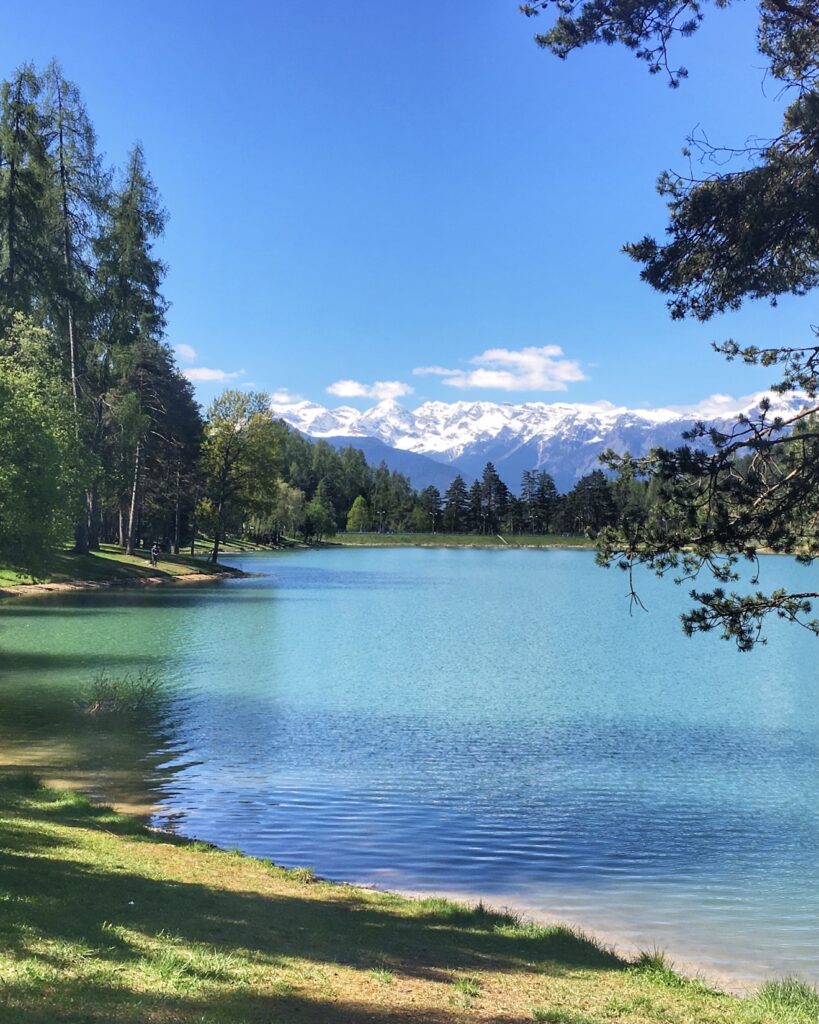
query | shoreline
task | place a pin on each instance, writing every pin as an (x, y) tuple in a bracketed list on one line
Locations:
[(112, 921), (618, 944), (611, 942), (69, 586), (506, 546)]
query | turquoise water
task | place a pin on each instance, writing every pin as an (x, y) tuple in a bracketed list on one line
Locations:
[(487, 723)]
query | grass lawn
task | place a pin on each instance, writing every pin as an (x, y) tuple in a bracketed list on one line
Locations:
[(459, 540), (103, 921), (109, 564)]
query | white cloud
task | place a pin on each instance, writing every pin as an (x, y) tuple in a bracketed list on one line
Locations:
[(727, 406), (379, 389), (186, 352), (504, 369), (284, 397), (203, 374), (713, 406), (433, 371)]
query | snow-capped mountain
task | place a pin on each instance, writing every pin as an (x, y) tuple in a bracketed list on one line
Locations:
[(561, 437)]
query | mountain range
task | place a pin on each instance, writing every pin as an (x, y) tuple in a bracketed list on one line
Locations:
[(438, 440)]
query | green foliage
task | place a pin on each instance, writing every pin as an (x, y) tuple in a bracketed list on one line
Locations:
[(658, 968), (645, 28), (745, 228), (358, 518), (319, 518), (456, 506), (467, 989), (790, 1000), (24, 184), (589, 506), (241, 456), (76, 257), (40, 480)]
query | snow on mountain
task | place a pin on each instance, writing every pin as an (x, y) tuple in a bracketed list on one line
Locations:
[(563, 438), (313, 419)]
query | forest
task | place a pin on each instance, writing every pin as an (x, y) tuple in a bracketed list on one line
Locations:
[(101, 437)]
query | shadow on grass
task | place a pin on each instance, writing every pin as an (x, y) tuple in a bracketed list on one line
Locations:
[(109, 566), (86, 1003), (62, 897)]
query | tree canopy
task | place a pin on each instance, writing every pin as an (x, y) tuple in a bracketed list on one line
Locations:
[(746, 228), (39, 472)]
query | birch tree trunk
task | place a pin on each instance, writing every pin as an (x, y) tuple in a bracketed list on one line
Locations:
[(81, 531), (130, 547)]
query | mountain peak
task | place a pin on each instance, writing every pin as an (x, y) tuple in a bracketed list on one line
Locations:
[(563, 438)]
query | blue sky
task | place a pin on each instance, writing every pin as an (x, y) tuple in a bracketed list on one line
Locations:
[(361, 190)]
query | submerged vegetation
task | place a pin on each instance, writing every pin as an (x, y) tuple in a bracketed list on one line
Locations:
[(109, 694), (105, 921)]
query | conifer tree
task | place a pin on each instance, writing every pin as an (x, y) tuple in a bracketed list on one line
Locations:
[(476, 513), (129, 368), (25, 247), (77, 193), (456, 506), (547, 500), (745, 228)]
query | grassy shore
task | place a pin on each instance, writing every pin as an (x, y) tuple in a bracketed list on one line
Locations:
[(109, 565), (104, 921), (460, 540)]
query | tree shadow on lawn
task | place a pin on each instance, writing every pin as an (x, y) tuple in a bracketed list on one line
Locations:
[(83, 1003), (63, 899)]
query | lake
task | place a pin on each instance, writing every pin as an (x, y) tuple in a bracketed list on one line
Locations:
[(486, 723)]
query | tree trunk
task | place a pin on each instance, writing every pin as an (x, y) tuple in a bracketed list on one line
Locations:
[(130, 546), (214, 555), (81, 531), (176, 518), (94, 518)]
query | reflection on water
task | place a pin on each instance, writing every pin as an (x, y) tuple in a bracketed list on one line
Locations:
[(474, 721), (48, 666)]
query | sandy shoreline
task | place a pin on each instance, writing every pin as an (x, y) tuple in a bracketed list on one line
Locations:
[(70, 586), (622, 946)]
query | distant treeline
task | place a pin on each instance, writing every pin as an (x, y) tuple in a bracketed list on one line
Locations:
[(101, 438), (385, 502)]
